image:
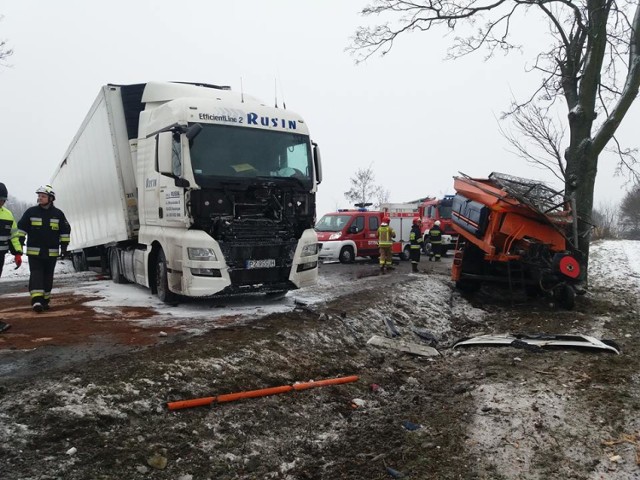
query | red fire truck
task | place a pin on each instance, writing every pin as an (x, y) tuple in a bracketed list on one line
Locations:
[(432, 209), (347, 234)]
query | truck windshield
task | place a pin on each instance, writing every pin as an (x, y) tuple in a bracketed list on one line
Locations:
[(445, 211), (332, 223), (220, 150)]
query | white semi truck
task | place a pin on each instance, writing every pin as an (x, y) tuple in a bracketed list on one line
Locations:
[(192, 190)]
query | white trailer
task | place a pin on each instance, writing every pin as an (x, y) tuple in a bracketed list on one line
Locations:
[(192, 190), (401, 217)]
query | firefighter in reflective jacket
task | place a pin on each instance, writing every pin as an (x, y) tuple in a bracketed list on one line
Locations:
[(9, 241), (415, 238), (435, 238), (47, 234), (385, 240)]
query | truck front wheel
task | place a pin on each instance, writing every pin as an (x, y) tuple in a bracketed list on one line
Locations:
[(162, 281), (347, 255)]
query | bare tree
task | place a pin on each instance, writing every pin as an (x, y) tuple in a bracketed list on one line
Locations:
[(5, 51), (538, 138), (592, 62), (382, 197), (605, 221), (363, 188), (630, 213)]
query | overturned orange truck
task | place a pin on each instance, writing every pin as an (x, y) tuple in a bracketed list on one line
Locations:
[(515, 231)]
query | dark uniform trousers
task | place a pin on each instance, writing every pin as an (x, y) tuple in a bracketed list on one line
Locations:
[(41, 278), (415, 237), (435, 238)]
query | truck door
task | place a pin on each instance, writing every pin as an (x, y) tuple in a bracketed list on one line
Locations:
[(373, 222), (170, 208), (356, 233)]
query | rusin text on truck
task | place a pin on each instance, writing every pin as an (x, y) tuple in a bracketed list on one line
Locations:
[(192, 190)]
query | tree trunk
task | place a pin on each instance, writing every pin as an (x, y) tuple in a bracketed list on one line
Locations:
[(582, 167)]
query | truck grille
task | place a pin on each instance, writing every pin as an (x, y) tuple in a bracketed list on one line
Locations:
[(238, 252)]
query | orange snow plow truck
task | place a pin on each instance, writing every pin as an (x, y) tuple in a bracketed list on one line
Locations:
[(515, 231)]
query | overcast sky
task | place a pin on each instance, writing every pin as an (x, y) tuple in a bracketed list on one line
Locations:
[(414, 117)]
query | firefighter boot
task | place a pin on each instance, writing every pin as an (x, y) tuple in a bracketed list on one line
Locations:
[(414, 267), (382, 270)]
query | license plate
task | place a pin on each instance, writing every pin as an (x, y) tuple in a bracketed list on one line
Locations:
[(265, 263)]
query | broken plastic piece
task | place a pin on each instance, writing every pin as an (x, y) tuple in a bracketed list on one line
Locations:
[(392, 331), (426, 335), (406, 347), (542, 340), (526, 346)]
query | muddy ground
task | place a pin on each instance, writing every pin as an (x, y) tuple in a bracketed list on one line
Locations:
[(83, 392)]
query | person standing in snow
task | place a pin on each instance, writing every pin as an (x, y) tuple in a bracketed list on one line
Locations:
[(9, 241), (415, 238), (47, 234), (385, 241), (435, 239)]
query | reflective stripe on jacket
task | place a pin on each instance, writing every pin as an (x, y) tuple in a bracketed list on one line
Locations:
[(435, 235), (46, 230), (385, 236), (8, 232), (415, 237)]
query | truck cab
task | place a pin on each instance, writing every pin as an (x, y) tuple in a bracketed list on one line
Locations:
[(347, 234)]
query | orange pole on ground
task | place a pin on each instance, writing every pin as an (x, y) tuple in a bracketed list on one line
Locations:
[(197, 402), (322, 383), (263, 392)]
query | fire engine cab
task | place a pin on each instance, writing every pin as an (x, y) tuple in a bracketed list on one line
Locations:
[(432, 209)]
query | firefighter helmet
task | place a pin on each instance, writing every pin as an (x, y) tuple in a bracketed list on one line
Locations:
[(385, 220), (416, 221), (47, 190), (3, 191), (437, 223)]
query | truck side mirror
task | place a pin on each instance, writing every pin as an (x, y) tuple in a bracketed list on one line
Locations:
[(317, 162), (193, 131), (164, 145)]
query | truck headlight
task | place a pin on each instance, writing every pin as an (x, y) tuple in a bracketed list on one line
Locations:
[(335, 236), (203, 254), (308, 250), (206, 272)]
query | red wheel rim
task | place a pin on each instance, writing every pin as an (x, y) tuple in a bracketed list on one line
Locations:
[(570, 267)]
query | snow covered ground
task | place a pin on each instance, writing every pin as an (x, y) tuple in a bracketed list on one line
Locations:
[(614, 264), (514, 412)]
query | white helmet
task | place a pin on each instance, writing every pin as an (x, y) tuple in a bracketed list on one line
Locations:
[(47, 190), (437, 223)]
